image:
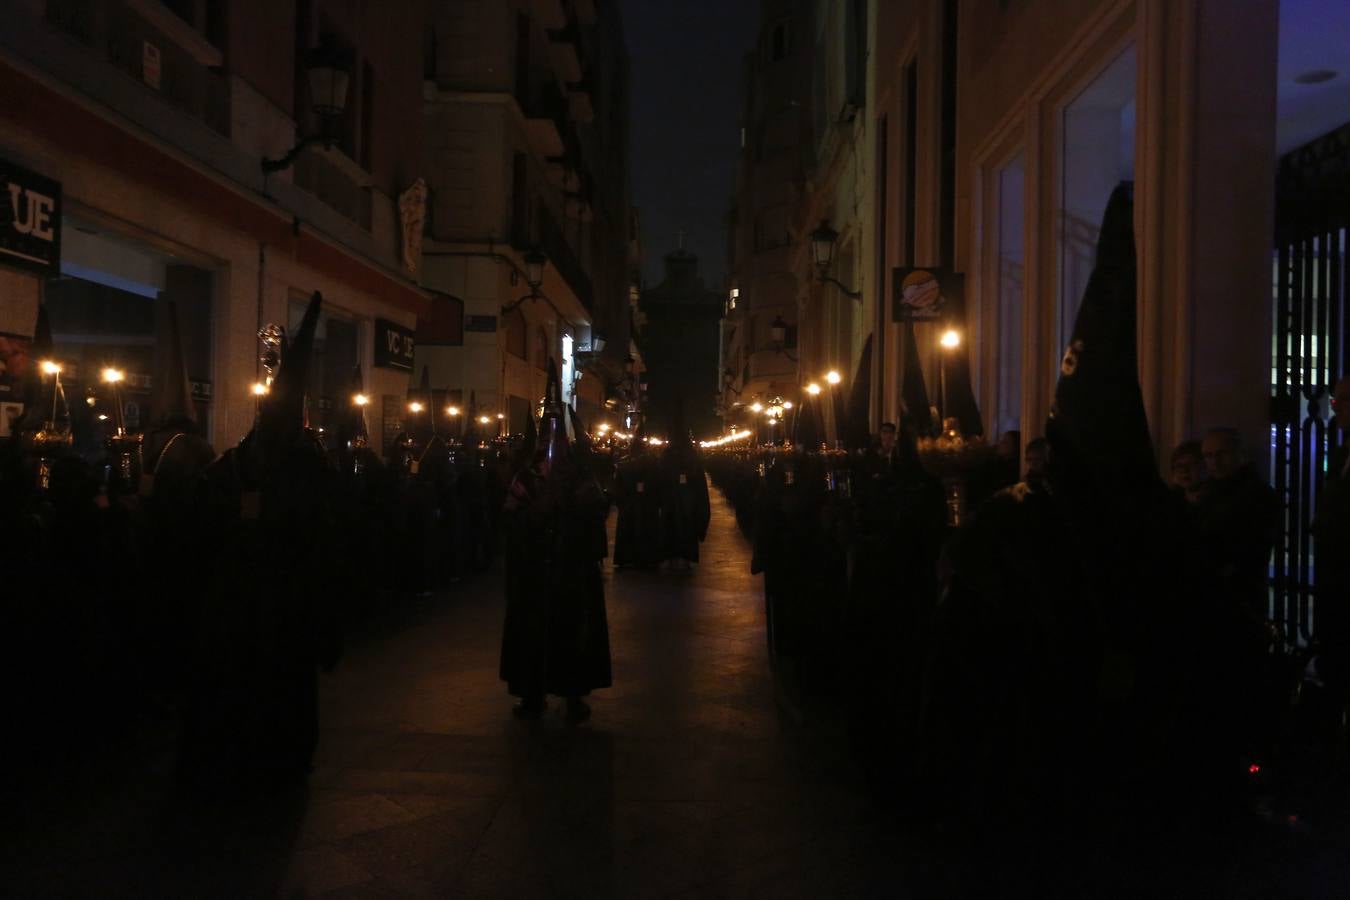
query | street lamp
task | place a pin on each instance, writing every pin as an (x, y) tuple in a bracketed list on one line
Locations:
[(535, 262), (328, 74), (833, 377), (361, 400), (813, 389), (951, 339), (823, 241)]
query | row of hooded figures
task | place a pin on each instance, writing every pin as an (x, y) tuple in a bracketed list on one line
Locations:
[(168, 578), (1064, 651)]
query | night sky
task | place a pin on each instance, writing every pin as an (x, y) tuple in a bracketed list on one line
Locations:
[(686, 101)]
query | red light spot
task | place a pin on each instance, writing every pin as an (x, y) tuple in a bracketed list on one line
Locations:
[(1293, 820), (1253, 768)]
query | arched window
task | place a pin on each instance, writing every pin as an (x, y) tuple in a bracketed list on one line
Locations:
[(516, 341)]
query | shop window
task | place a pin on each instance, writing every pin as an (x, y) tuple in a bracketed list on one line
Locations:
[(336, 355), (1011, 262), (1098, 152), (110, 307)]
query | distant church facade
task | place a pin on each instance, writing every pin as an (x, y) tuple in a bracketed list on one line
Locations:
[(680, 349)]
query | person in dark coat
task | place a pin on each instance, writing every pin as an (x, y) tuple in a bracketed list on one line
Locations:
[(637, 494), (1052, 691), (555, 637), (685, 511), (267, 622), (1331, 530)]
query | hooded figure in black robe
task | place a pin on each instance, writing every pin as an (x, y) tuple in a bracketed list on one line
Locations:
[(685, 511), (637, 494), (363, 504), (1070, 648), (268, 620), (176, 457), (555, 639)]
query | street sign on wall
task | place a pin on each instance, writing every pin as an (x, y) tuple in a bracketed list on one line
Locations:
[(30, 220), (394, 345)]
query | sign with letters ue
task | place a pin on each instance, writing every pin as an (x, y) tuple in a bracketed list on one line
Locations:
[(393, 345), (30, 220)]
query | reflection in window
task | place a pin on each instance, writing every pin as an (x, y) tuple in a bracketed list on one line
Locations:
[(1011, 261), (1098, 152), (336, 355), (110, 308)]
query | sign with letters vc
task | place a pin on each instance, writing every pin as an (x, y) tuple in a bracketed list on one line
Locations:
[(393, 345), (30, 220)]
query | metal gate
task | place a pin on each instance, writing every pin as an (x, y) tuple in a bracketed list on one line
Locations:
[(1309, 354)]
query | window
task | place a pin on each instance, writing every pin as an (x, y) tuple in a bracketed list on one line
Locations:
[(911, 159), (336, 356), (110, 307), (1011, 186), (1098, 153), (367, 148)]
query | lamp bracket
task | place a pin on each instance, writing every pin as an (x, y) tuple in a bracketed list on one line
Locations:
[(846, 291)]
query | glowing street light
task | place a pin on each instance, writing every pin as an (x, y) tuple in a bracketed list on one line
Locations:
[(757, 407), (452, 411), (483, 420), (50, 367), (113, 376), (951, 339), (259, 389), (787, 404), (813, 389), (833, 377), (361, 400), (415, 407)]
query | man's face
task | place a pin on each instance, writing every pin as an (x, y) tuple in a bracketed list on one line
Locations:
[(1188, 472), (1035, 461), (887, 439), (1220, 458)]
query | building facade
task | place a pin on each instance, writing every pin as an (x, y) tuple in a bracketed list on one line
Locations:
[(526, 117), (763, 283), (982, 141), (146, 125), (680, 350)]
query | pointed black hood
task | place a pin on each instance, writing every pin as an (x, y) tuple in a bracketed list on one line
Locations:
[(531, 440), (283, 410), (806, 426), (1098, 422), (552, 427), (913, 391), (857, 419), (584, 453)]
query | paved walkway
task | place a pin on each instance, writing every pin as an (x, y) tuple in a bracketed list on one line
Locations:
[(683, 783)]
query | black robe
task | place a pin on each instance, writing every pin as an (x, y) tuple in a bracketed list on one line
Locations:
[(685, 512), (555, 638), (637, 532)]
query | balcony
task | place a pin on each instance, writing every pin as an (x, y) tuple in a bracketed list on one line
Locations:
[(559, 251), (544, 108)]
